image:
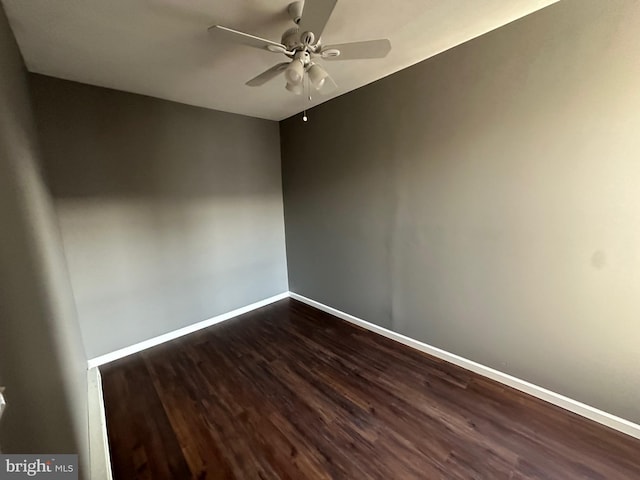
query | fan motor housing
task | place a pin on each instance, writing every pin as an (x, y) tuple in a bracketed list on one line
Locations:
[(290, 38)]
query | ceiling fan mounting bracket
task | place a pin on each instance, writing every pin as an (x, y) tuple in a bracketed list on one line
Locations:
[(307, 38), (330, 53)]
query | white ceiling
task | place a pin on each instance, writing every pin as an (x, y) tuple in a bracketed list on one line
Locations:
[(161, 47)]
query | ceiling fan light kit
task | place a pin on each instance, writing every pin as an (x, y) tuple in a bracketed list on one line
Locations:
[(302, 45), (317, 75), (295, 88), (295, 71)]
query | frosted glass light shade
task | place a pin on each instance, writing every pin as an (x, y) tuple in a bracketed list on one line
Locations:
[(294, 88), (294, 72), (317, 75)]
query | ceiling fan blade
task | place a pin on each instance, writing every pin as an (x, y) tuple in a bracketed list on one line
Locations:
[(357, 50), (267, 75), (230, 35), (315, 16)]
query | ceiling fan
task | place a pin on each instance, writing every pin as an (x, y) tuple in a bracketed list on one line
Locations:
[(303, 47)]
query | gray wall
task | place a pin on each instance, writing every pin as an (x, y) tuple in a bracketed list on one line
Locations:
[(42, 361), (487, 201), (170, 214)]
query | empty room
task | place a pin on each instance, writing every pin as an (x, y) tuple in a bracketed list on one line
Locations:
[(327, 239)]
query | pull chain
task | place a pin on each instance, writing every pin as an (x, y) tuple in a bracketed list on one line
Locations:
[(304, 114)]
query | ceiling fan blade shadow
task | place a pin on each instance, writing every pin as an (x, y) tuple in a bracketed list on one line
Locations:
[(230, 35), (315, 16), (358, 50), (267, 75)]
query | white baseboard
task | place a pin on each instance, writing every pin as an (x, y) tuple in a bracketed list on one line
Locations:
[(617, 423), (100, 458), (152, 342), (592, 413)]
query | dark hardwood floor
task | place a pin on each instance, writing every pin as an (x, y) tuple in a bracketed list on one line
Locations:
[(290, 392)]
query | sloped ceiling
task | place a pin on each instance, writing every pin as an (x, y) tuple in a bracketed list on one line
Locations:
[(161, 48)]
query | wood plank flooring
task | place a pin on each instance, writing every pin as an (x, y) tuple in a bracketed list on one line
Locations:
[(290, 392)]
